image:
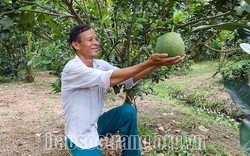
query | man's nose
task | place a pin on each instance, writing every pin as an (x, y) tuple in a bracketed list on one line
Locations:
[(96, 42)]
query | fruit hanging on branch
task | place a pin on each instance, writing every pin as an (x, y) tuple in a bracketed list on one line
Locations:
[(170, 43)]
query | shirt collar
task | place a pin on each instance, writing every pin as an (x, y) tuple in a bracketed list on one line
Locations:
[(95, 63), (79, 60)]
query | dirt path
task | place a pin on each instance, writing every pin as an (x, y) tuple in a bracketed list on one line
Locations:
[(31, 120), (27, 113)]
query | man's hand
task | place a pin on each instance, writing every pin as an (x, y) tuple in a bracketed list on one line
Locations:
[(163, 60), (141, 70)]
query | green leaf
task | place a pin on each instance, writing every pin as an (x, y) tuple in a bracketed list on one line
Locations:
[(47, 61), (30, 62), (138, 26), (52, 24), (179, 16), (5, 35), (176, 17), (141, 20), (224, 26), (36, 62), (136, 32), (27, 17), (245, 47), (41, 18), (245, 135), (248, 1), (47, 18), (248, 9), (243, 33), (106, 19), (57, 85), (240, 93), (7, 23)]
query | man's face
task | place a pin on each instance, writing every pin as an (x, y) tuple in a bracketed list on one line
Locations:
[(89, 44)]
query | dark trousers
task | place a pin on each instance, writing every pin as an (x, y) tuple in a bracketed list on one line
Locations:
[(122, 119)]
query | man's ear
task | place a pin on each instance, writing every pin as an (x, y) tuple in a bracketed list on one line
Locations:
[(75, 45)]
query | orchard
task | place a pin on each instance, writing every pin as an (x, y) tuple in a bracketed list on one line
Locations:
[(34, 38)]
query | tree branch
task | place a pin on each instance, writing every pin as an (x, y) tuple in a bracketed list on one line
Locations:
[(72, 11), (99, 8), (204, 19), (156, 28), (34, 3), (48, 39), (86, 12), (52, 14), (199, 43), (129, 32), (137, 57), (7, 12), (105, 27), (221, 51), (158, 13), (195, 46)]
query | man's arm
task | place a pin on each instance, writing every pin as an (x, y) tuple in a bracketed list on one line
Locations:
[(143, 69), (144, 73), (126, 73), (148, 71)]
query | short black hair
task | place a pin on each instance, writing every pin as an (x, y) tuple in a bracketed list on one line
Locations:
[(74, 33)]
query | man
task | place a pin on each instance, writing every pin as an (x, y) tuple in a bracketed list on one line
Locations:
[(83, 81)]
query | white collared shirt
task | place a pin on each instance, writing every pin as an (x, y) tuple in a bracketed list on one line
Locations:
[(83, 99)]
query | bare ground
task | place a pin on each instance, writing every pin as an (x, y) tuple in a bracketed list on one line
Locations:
[(31, 120)]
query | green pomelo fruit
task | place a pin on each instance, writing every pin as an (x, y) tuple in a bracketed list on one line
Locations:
[(170, 43)]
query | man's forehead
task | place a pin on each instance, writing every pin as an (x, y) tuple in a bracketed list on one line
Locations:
[(88, 33)]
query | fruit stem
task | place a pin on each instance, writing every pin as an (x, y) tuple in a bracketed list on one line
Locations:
[(172, 29)]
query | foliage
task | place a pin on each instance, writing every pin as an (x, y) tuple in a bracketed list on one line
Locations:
[(244, 135), (200, 98), (239, 68), (13, 55), (21, 19), (127, 30), (240, 93), (233, 64), (224, 26), (51, 58), (57, 85)]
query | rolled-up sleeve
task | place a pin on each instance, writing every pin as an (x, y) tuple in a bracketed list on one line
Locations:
[(78, 76), (129, 83)]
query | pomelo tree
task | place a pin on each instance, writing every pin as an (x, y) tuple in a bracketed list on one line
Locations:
[(128, 30), (36, 33)]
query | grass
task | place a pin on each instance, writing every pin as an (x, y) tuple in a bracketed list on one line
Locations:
[(203, 96), (2, 130), (4, 113), (60, 124), (44, 107), (197, 100), (5, 80), (51, 119), (192, 99), (39, 86)]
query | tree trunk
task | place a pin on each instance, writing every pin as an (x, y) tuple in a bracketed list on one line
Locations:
[(30, 76), (129, 97)]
